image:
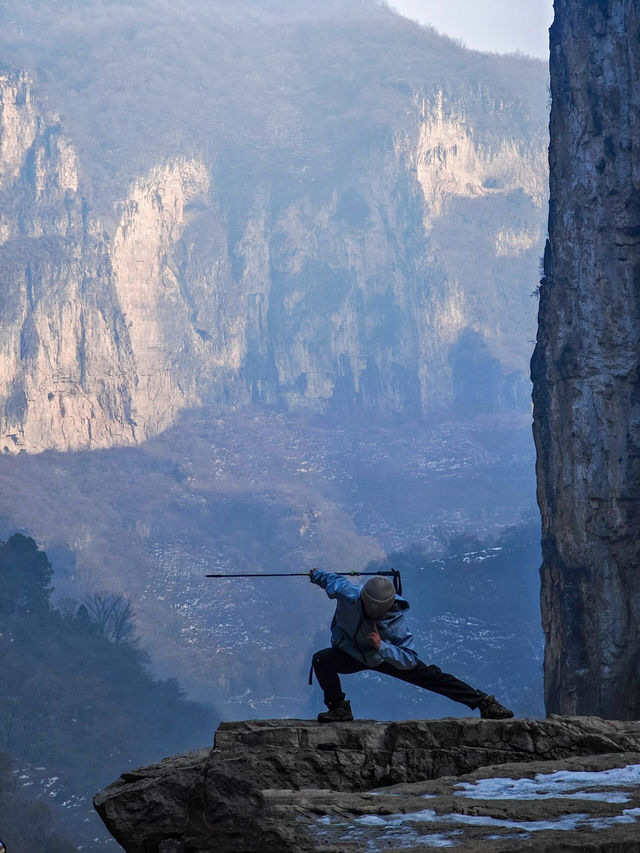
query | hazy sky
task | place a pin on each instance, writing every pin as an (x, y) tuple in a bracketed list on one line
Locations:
[(497, 25)]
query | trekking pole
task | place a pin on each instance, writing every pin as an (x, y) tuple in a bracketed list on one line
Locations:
[(393, 573)]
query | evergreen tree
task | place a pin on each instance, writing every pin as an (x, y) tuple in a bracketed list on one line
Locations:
[(25, 576)]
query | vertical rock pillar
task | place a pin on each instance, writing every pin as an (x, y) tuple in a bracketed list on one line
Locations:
[(586, 365)]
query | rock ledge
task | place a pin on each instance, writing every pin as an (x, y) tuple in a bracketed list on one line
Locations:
[(292, 785)]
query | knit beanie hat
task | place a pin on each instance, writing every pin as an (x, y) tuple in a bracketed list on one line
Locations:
[(378, 595)]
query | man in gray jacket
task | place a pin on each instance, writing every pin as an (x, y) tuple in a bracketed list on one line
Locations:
[(369, 631)]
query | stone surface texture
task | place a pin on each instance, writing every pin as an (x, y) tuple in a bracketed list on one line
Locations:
[(293, 785), (586, 366)]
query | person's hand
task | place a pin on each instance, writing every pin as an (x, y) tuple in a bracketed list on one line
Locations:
[(311, 573), (374, 637)]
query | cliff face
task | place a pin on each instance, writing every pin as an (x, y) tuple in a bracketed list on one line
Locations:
[(362, 297), (586, 367), (64, 361)]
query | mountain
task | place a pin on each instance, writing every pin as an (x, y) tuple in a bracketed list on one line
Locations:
[(330, 211), (266, 277), (266, 303)]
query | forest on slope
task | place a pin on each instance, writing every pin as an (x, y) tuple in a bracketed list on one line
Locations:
[(80, 705)]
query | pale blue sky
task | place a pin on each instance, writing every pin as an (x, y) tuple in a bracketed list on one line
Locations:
[(503, 26)]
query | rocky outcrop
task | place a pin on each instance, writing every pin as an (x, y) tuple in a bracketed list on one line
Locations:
[(293, 785), (586, 366), (452, 161)]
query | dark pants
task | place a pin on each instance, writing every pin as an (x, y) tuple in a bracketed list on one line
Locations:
[(329, 662)]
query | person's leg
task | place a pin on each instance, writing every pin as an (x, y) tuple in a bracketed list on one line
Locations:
[(327, 664), (434, 679)]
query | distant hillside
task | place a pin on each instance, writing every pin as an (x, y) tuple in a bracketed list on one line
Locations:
[(329, 210), (258, 492), (286, 86)]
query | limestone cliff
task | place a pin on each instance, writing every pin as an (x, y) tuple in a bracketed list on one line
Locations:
[(586, 367), (293, 785), (64, 363), (161, 336), (91, 323), (377, 294)]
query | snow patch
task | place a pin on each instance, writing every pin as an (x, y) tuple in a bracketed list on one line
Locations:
[(567, 784)]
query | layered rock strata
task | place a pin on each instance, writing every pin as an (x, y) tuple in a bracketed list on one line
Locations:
[(586, 366), (292, 785)]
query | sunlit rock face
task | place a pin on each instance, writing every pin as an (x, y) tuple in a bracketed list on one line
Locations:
[(586, 368), (161, 336), (378, 294), (64, 362), (95, 331)]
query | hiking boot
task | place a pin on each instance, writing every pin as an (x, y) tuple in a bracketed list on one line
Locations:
[(340, 713), (491, 709)]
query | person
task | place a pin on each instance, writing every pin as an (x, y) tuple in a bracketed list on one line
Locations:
[(369, 631)]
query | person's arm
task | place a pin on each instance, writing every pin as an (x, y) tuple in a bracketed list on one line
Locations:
[(398, 652), (334, 585)]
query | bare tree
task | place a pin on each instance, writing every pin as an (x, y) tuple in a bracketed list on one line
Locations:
[(122, 629), (112, 614)]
